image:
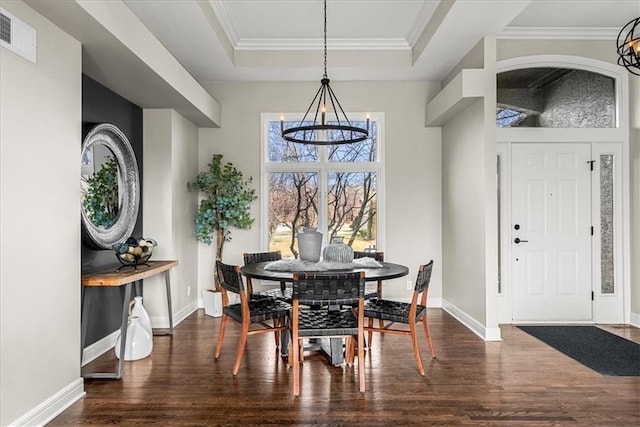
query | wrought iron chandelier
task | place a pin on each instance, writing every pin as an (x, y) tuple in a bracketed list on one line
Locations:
[(629, 46), (330, 113)]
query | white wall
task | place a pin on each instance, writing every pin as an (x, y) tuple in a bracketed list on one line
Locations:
[(462, 211), (469, 206), (412, 155), (40, 140), (170, 144)]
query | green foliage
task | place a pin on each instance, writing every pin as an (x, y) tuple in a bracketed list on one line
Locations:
[(226, 204), (100, 200)]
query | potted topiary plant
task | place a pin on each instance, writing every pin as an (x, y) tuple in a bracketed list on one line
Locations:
[(226, 203)]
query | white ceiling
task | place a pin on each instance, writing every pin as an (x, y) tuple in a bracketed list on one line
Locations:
[(367, 40), (271, 40)]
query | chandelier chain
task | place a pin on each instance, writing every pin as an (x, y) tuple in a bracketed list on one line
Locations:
[(315, 127), (325, 39)]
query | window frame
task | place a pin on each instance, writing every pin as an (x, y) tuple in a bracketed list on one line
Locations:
[(322, 167)]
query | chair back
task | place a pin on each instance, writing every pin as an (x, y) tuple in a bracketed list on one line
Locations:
[(230, 278), (254, 257), (421, 288), (319, 289), (378, 256), (424, 277)]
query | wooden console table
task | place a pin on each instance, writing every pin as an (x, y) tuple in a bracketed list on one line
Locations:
[(125, 277)]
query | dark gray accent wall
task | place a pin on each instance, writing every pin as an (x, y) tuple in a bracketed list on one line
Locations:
[(101, 105)]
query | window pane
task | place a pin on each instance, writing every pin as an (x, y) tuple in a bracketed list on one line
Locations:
[(506, 118), (352, 208), (363, 151), (556, 98), (606, 223), (293, 204), (285, 151)]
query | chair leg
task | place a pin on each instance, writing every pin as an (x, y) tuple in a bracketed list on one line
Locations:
[(370, 332), (241, 345), (276, 334), (223, 327), (416, 349), (349, 350), (425, 323), (380, 321), (360, 338), (361, 364), (295, 352)]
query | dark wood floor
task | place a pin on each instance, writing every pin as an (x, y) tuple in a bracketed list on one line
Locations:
[(516, 382)]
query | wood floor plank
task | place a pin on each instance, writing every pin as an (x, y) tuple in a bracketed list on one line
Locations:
[(517, 382)]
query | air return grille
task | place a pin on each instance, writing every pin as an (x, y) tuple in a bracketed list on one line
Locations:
[(17, 36), (5, 28)]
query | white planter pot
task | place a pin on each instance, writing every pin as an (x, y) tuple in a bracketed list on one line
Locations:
[(212, 303)]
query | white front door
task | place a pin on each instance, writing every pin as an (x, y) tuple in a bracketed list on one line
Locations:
[(551, 232)]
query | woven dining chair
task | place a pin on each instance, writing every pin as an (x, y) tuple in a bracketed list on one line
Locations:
[(370, 293), (248, 312), (283, 293), (322, 308), (410, 314)]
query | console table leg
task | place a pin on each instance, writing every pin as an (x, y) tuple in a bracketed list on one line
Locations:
[(167, 280), (83, 322), (123, 328)]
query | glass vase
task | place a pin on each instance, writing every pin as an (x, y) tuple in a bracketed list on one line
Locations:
[(309, 244), (338, 251)]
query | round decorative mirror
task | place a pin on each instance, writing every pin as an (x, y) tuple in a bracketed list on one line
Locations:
[(110, 186)]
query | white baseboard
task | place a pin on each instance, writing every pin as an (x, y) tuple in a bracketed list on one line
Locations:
[(53, 406), (634, 320), (163, 321), (434, 303), (487, 334), (100, 347)]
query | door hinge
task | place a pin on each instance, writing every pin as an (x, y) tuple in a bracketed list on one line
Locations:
[(592, 230), (591, 162), (592, 296)]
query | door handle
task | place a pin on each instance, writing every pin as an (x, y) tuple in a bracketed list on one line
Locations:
[(517, 240)]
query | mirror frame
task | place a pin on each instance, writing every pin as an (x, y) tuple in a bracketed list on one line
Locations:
[(111, 137)]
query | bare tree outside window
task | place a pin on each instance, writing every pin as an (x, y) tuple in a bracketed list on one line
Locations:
[(298, 172)]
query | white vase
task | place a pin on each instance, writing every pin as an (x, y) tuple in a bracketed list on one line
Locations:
[(139, 341), (136, 309)]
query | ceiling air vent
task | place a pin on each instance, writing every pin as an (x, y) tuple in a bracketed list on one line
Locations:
[(5, 28), (17, 36)]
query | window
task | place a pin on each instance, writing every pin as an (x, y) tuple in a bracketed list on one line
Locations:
[(334, 188), (506, 118), (549, 97)]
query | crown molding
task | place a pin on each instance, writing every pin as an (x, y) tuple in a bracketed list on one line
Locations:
[(317, 44), (225, 21), (421, 22), (559, 33)]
